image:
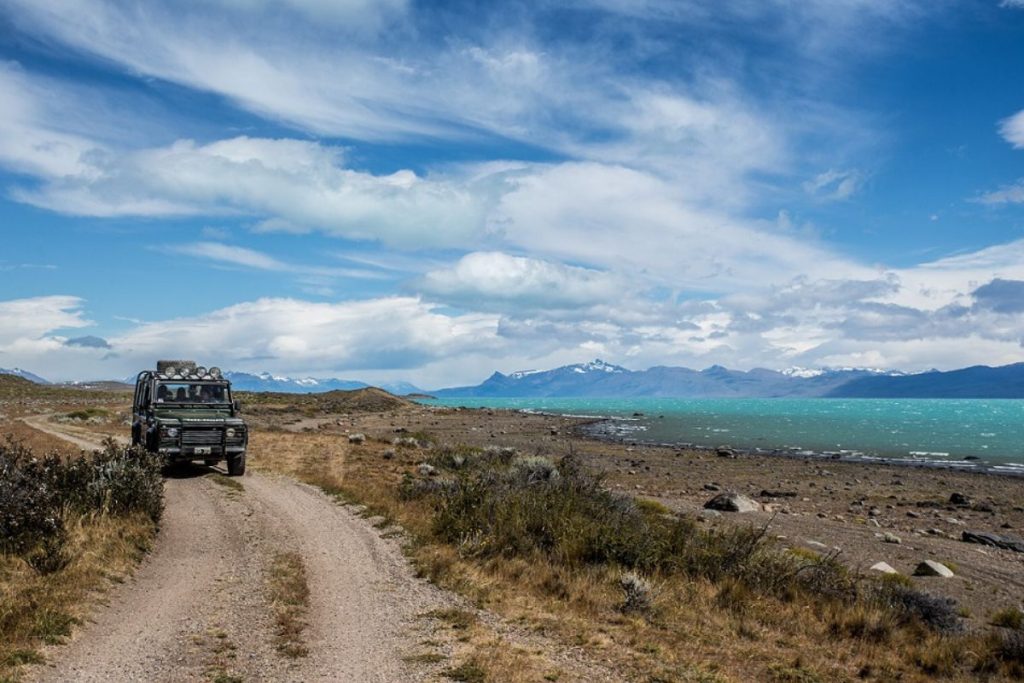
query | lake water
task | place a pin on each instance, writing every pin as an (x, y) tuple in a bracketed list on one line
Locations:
[(969, 433)]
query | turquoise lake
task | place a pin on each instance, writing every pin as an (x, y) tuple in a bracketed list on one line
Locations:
[(971, 433)]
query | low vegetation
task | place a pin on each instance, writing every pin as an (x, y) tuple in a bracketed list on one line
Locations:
[(66, 524), (657, 595), (289, 596)]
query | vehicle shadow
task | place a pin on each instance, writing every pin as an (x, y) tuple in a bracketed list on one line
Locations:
[(191, 470)]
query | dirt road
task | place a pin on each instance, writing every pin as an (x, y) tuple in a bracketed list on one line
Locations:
[(198, 607)]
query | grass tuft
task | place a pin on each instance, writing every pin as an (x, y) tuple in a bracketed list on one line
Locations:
[(289, 595)]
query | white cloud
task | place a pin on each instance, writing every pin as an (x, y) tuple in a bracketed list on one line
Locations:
[(1007, 194), (302, 185), (25, 321), (616, 218), (834, 184), (489, 280), (1012, 130), (1017, 4), (250, 258)]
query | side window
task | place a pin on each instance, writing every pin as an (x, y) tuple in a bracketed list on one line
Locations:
[(146, 394)]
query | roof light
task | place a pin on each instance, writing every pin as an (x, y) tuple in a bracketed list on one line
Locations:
[(215, 372)]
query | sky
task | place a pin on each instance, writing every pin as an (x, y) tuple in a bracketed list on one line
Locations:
[(431, 191)]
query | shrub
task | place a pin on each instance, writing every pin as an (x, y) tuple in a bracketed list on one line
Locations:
[(937, 613), (1011, 617), (36, 493), (638, 593)]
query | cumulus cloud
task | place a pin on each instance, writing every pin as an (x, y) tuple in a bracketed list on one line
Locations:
[(300, 336)]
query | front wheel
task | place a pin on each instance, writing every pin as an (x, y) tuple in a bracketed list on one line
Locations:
[(236, 465)]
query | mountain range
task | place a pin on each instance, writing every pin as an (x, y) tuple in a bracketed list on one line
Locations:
[(600, 379)]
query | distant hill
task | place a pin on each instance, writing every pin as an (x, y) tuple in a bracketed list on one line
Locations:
[(600, 379), (364, 400), (980, 381), (18, 372)]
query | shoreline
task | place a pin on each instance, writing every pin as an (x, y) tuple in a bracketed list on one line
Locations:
[(977, 465), (585, 429)]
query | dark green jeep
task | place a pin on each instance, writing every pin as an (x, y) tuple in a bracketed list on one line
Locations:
[(184, 413)]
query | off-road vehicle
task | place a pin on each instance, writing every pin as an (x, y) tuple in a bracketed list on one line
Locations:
[(184, 412)]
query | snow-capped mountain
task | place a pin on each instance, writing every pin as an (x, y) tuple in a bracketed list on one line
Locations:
[(25, 374), (600, 379), (265, 381)]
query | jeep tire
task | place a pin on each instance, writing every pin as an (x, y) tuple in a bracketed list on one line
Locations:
[(236, 465)]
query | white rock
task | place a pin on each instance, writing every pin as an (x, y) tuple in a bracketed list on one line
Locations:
[(933, 568), (883, 567)]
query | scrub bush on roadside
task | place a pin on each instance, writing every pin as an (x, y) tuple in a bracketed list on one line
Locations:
[(38, 493)]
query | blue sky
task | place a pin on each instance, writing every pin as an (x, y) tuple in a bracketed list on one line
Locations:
[(431, 191)]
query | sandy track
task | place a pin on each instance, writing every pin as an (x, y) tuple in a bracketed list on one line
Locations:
[(198, 604)]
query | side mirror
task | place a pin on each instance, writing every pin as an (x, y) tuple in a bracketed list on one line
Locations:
[(238, 405)]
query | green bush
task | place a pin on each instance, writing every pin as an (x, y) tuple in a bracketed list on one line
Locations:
[(36, 493), (515, 506)]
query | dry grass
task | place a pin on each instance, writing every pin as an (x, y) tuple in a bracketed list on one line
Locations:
[(42, 608), (694, 629), (289, 597)]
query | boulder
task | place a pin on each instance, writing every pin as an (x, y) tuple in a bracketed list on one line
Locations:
[(995, 540), (732, 502), (356, 438), (891, 538), (883, 567), (725, 452), (708, 515), (959, 499), (933, 568)]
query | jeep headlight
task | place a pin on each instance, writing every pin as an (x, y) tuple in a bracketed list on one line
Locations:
[(230, 433), (172, 432)]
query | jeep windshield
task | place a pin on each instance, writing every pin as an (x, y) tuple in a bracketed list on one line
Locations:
[(192, 393)]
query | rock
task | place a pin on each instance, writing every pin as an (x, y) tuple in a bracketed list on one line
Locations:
[(765, 493), (732, 502), (874, 522), (388, 454), (891, 538), (818, 545), (959, 499), (708, 515), (912, 514), (933, 568), (985, 538), (874, 512), (725, 452), (883, 567), (427, 470), (356, 438), (712, 487)]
